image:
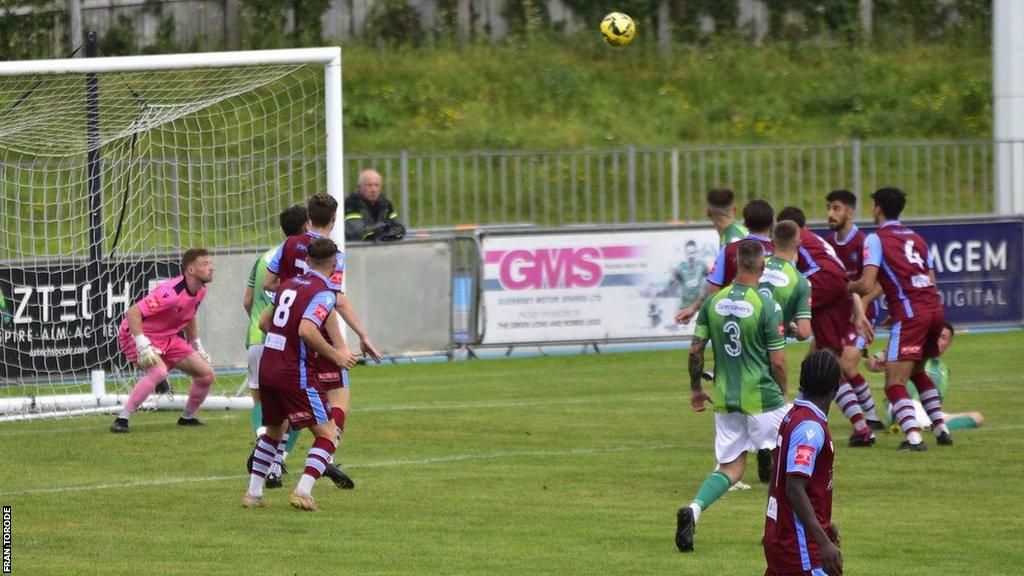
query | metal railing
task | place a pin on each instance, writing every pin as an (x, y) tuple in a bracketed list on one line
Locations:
[(552, 188)]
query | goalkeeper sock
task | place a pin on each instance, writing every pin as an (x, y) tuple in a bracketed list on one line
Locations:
[(257, 416), (197, 392), (143, 389), (714, 487)]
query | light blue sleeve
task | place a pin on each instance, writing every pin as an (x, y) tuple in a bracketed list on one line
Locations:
[(717, 275), (275, 261), (812, 265), (324, 299), (873, 250), (805, 443), (929, 257)]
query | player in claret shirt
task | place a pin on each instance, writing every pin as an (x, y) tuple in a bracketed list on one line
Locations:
[(848, 242), (150, 336), (799, 537), (898, 258)]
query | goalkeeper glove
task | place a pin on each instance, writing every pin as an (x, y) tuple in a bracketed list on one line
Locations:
[(149, 355), (198, 347)]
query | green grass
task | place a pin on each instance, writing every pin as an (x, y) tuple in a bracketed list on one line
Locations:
[(555, 465)]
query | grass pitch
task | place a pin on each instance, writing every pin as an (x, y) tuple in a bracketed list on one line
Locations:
[(556, 465)]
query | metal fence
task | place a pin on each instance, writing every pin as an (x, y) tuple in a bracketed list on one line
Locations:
[(552, 188)]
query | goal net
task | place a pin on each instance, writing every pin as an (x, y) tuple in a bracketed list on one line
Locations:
[(109, 169)]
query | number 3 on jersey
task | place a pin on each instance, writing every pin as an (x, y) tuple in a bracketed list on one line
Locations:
[(733, 347), (912, 256), (283, 309)]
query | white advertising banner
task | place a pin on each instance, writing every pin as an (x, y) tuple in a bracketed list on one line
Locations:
[(593, 286)]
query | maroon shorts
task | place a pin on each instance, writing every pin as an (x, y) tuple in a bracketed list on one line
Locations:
[(328, 375), (917, 338), (301, 407), (173, 349), (832, 326)]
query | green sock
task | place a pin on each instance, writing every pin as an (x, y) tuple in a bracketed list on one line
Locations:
[(293, 437), (257, 416), (715, 485), (961, 423)]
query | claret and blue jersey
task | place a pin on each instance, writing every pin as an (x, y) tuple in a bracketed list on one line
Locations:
[(904, 263)]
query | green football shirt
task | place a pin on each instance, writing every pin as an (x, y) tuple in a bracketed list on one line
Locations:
[(939, 373), (744, 327), (691, 281), (733, 233), (783, 283), (261, 299)]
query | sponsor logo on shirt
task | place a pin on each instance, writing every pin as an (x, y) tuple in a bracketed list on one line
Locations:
[(776, 278), (321, 312), (337, 276), (738, 308), (910, 349), (804, 453), (152, 302)]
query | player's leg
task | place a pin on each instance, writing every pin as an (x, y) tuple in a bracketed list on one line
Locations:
[(926, 389), (252, 379), (202, 379), (339, 401), (897, 372), (731, 444), (847, 397), (964, 420), (763, 430), (142, 389), (320, 453), (275, 421)]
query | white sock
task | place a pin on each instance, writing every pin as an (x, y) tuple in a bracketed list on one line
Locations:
[(255, 485), (305, 485), (261, 431), (125, 414), (914, 437), (940, 429), (188, 415), (696, 512), (871, 415)]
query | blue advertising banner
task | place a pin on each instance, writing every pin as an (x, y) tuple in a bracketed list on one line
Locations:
[(979, 268)]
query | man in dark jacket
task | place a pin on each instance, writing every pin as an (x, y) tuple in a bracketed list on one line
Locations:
[(369, 215)]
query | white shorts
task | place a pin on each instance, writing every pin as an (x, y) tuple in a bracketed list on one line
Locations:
[(253, 377), (736, 433)]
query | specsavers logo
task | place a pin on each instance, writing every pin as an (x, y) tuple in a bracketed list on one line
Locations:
[(776, 278), (737, 308)]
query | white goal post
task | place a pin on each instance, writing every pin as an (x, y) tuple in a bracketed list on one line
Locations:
[(110, 168)]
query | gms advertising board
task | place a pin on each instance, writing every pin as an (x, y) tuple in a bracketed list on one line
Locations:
[(592, 286), (64, 319)]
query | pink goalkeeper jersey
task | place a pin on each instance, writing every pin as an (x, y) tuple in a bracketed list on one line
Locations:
[(168, 309)]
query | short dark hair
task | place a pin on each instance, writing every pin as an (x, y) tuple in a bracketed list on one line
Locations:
[(191, 255), (785, 235), (749, 255), (891, 201), (721, 198), (758, 215), (842, 196), (321, 250), (819, 374), (293, 219), (321, 208), (691, 243), (795, 214), (949, 327)]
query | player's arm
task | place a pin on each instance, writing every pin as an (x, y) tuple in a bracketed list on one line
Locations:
[(714, 282), (134, 318), (860, 319), (779, 370), (265, 319), (192, 335), (348, 314), (247, 300), (696, 368), (333, 326), (803, 329), (872, 262), (802, 317), (272, 279), (310, 334), (796, 492)]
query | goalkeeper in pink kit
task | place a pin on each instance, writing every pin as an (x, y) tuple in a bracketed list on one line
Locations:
[(151, 337)]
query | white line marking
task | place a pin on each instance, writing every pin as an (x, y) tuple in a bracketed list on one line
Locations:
[(354, 465)]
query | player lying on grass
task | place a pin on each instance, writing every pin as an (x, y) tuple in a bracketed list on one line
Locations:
[(149, 337), (939, 373), (837, 319), (799, 537), (291, 395), (293, 221), (898, 258), (744, 327)]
